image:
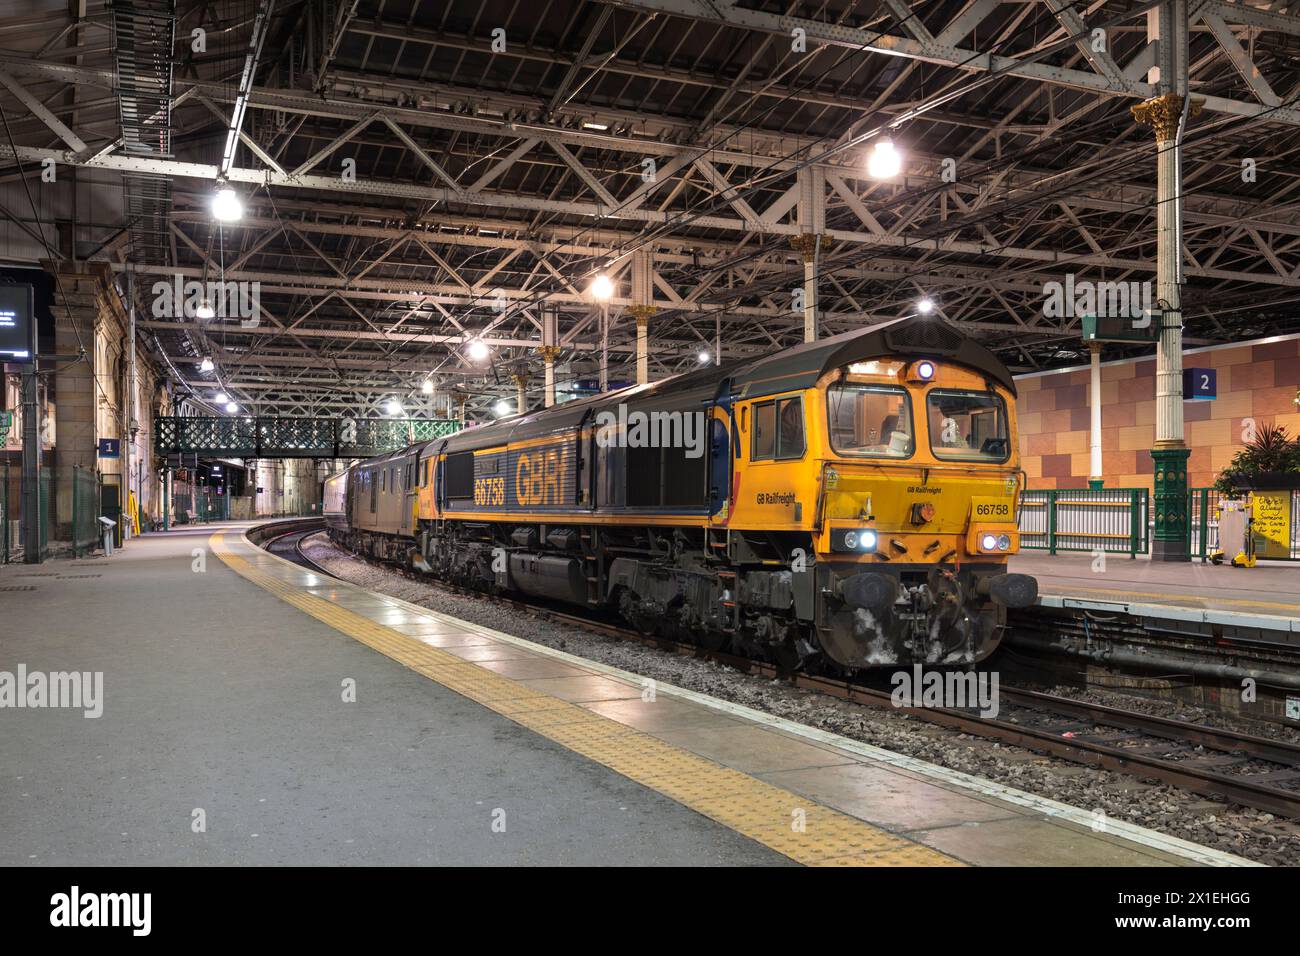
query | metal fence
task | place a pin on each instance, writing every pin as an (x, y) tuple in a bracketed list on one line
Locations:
[(1203, 510), (1114, 520), (69, 511), (85, 499)]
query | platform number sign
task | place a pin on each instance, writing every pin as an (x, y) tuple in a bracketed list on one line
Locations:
[(1200, 384)]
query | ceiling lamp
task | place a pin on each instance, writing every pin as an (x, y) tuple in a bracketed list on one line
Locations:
[(502, 407), (885, 161), (204, 309), (394, 407), (602, 288), (925, 306), (427, 386), (232, 407), (226, 205), (206, 365), (478, 350), (221, 398)]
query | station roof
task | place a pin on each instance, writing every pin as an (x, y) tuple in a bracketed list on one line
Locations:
[(417, 174)]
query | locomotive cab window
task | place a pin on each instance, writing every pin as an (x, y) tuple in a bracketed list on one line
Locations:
[(968, 426), (778, 430), (870, 420)]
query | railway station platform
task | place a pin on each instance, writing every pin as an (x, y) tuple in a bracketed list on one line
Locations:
[(255, 711), (1265, 597)]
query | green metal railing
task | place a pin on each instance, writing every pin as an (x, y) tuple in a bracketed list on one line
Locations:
[(293, 437), (1203, 524), (85, 510), (1113, 520)]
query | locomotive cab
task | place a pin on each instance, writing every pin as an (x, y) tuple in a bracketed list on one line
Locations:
[(917, 512)]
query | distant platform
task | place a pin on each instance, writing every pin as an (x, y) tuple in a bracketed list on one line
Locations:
[(1266, 596)]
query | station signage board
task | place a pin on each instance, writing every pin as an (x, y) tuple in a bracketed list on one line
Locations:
[(110, 448), (1200, 384), (1120, 328), (17, 324)]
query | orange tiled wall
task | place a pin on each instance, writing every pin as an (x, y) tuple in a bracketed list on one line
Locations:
[(1254, 381)]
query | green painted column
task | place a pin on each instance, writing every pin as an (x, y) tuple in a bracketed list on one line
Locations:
[(1171, 540)]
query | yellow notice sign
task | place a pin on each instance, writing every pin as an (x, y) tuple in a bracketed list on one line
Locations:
[(1272, 513)]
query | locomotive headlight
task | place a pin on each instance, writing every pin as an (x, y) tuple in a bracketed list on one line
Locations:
[(855, 539), (925, 371), (989, 542), (1004, 542)]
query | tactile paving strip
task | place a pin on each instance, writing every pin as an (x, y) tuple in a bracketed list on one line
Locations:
[(788, 823)]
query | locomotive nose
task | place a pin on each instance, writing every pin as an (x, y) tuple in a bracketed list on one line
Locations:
[(1011, 590)]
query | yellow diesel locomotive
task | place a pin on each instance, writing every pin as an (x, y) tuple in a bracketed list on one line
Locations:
[(847, 503)]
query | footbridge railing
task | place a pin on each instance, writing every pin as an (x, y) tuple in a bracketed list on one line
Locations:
[(242, 437)]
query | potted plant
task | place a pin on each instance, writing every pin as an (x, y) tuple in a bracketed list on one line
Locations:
[(1271, 462)]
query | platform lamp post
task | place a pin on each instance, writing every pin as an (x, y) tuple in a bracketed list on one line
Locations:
[(602, 289)]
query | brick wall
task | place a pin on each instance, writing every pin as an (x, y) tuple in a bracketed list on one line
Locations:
[(1255, 380)]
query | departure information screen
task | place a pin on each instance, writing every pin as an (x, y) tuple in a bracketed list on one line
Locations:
[(17, 324)]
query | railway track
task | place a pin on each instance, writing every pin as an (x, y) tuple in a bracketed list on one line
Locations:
[(1241, 768), (289, 547)]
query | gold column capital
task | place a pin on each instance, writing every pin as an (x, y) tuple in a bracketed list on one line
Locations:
[(806, 244), (549, 353), (642, 313), (1162, 114)]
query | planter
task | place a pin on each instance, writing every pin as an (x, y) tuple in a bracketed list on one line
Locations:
[(1267, 481)]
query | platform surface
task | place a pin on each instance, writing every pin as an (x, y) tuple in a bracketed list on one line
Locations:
[(224, 674), (1266, 595)]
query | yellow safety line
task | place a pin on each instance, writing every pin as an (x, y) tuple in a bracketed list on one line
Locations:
[(1171, 599), (760, 811)]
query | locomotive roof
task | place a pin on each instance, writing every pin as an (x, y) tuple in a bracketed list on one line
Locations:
[(793, 368), (912, 337)]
